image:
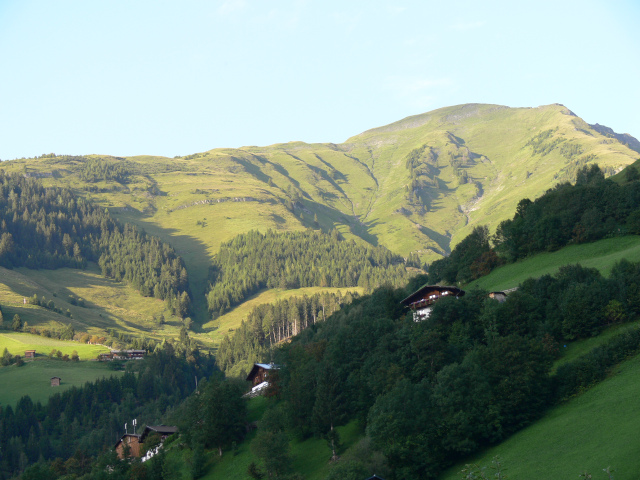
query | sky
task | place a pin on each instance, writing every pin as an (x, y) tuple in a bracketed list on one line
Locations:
[(137, 77)]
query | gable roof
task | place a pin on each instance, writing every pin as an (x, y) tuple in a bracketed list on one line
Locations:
[(426, 289), (161, 429)]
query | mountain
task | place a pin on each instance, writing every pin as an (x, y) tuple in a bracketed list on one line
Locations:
[(418, 185)]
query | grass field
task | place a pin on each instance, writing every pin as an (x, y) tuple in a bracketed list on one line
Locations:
[(309, 458), (109, 304), (591, 432), (602, 255), (231, 320), (17, 343), (34, 378)]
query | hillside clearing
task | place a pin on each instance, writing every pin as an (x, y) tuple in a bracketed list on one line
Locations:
[(16, 343), (34, 378)]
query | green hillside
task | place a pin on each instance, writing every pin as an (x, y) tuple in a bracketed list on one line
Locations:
[(602, 255), (595, 430), (34, 378), (417, 185)]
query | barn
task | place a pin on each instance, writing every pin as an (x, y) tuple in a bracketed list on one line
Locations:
[(55, 381)]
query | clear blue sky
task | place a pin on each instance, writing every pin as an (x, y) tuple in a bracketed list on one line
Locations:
[(177, 77)]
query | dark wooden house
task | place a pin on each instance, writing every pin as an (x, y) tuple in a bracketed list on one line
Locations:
[(259, 378), (29, 354), (422, 300), (260, 373), (130, 440), (55, 381)]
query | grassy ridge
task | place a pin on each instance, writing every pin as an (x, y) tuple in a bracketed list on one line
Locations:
[(601, 255), (593, 431), (34, 378)]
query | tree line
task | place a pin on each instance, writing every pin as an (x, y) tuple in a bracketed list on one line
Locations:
[(253, 261), (268, 324), (53, 228)]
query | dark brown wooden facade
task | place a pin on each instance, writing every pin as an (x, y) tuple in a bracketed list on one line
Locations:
[(29, 354), (260, 373), (55, 381), (132, 441)]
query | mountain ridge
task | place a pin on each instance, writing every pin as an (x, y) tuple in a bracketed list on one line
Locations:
[(416, 186)]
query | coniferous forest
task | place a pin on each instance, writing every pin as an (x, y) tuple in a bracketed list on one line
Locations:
[(53, 228), (253, 261)]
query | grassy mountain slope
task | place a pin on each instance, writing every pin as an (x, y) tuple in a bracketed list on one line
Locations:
[(602, 255), (474, 163), (593, 431)]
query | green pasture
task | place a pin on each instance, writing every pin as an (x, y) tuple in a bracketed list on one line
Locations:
[(602, 255), (16, 343), (231, 320), (108, 304), (34, 378), (593, 431)]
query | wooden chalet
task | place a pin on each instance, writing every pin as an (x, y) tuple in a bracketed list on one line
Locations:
[(375, 477), (422, 300), (258, 376), (55, 381), (29, 354), (130, 440)]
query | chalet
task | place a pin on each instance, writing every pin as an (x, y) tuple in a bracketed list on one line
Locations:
[(55, 381), (258, 376), (375, 477), (422, 300), (130, 440), (29, 354)]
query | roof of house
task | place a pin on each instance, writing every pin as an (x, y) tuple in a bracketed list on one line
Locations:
[(56, 377), (161, 429), (425, 289), (258, 366), (375, 477)]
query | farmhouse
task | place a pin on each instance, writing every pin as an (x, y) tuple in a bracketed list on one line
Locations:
[(422, 300), (258, 376), (130, 441), (55, 381)]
